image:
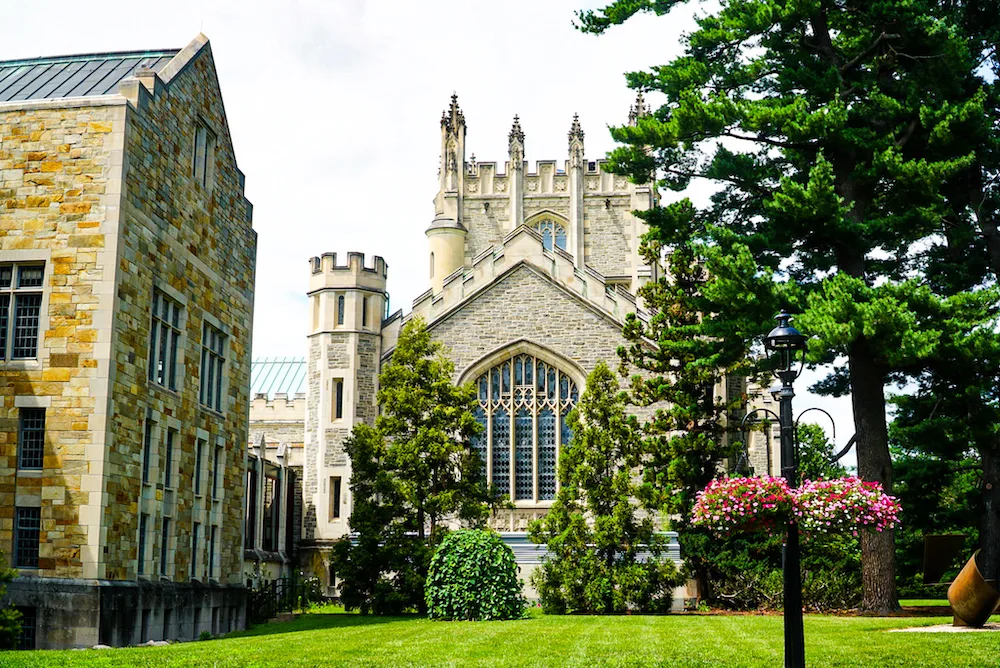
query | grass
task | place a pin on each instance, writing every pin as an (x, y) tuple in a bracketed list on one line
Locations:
[(333, 638), (923, 601)]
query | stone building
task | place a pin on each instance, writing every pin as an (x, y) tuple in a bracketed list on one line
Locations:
[(531, 275), (126, 294), (273, 516)]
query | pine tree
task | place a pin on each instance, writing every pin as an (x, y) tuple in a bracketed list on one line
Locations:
[(839, 135), (412, 474), (596, 527)]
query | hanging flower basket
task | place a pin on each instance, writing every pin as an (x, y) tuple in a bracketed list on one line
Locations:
[(845, 504), (733, 505)]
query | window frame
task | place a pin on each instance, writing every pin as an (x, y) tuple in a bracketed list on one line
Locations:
[(169, 348), (140, 568), (211, 381), (203, 155), (12, 295), (22, 431), (22, 537)]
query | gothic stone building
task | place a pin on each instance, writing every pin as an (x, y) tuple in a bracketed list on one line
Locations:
[(126, 294)]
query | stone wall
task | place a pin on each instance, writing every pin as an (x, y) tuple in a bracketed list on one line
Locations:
[(524, 305), (59, 196), (195, 243)]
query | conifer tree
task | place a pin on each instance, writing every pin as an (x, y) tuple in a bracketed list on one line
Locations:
[(704, 314), (842, 137), (412, 474), (597, 526)]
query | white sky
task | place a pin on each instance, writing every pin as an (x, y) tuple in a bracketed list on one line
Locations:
[(334, 109)]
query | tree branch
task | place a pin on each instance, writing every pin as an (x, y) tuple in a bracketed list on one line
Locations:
[(867, 52)]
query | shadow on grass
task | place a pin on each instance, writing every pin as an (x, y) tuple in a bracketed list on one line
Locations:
[(317, 621)]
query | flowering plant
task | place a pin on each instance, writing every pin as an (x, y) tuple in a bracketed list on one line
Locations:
[(744, 504), (730, 505), (845, 504)]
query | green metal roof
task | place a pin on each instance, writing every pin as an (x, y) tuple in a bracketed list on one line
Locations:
[(74, 76), (278, 375)]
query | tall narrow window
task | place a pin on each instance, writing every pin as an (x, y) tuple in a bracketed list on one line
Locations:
[(141, 558), (164, 340), (195, 537), (250, 529), (334, 498), (31, 438), (211, 552), (147, 445), (199, 462), (20, 309), (168, 459), (202, 166), (216, 473), (164, 545), (271, 502), (525, 402), (341, 308), (213, 361), (337, 392), (27, 535), (364, 312)]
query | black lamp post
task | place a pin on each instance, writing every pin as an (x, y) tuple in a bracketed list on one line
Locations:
[(787, 342)]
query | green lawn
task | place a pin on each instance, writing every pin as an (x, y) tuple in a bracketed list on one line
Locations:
[(332, 638)]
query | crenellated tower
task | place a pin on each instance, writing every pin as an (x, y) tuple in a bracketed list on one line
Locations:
[(579, 210), (346, 307)]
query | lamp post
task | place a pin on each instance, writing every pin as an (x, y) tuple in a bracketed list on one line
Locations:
[(787, 342)]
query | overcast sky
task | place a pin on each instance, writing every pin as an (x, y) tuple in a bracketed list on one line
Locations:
[(334, 108)]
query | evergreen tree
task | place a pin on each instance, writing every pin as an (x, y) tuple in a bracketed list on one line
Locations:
[(412, 473), (815, 452), (704, 314), (837, 134), (10, 618), (596, 527)]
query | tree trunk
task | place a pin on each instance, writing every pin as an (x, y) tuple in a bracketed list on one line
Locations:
[(878, 553), (989, 530)]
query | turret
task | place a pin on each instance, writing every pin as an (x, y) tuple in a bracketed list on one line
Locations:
[(446, 234), (346, 306)]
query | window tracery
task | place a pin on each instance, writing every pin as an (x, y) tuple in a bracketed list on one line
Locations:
[(551, 231), (523, 404)]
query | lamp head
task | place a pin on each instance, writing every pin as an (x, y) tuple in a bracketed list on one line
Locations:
[(785, 340)]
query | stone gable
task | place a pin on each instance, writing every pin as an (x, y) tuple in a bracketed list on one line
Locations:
[(525, 305)]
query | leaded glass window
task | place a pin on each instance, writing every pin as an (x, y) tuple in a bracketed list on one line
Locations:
[(551, 231), (20, 310), (523, 404)]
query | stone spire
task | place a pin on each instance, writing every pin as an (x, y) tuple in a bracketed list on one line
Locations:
[(452, 118), (515, 145), (576, 165), (575, 143), (515, 174), (448, 203), (638, 110)]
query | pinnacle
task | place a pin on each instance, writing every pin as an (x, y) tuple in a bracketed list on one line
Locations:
[(640, 109), (515, 132), (452, 116), (575, 131)]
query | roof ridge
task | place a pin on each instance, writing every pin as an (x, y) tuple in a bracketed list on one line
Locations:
[(72, 57)]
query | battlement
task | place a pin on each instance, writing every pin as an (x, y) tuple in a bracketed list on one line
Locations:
[(483, 180), (474, 169), (355, 264), (326, 273), (279, 408)]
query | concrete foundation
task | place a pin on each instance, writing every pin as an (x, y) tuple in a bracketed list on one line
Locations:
[(70, 613)]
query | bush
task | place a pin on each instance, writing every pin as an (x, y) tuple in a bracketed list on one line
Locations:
[(473, 576), (10, 619)]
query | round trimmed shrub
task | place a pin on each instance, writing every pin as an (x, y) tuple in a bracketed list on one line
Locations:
[(473, 576)]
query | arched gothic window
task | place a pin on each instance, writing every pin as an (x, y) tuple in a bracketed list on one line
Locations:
[(551, 231), (523, 404)]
